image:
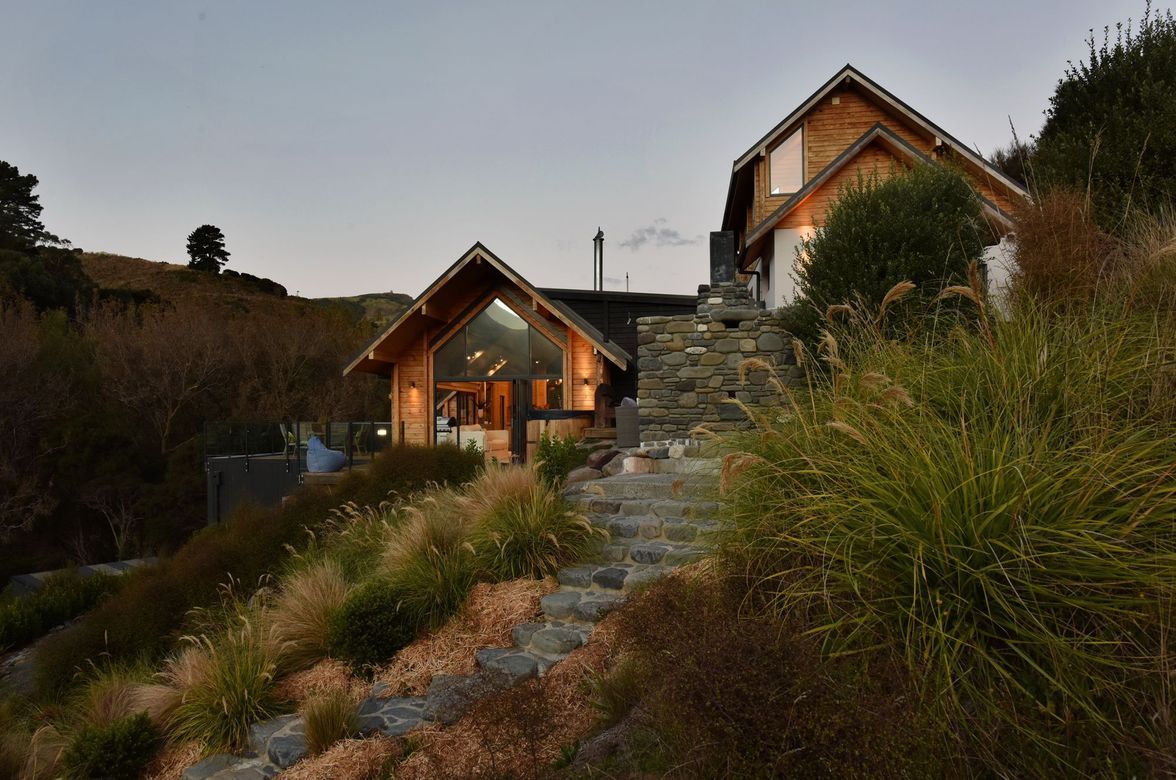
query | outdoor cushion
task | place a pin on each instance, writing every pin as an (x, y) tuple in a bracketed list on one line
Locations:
[(320, 460)]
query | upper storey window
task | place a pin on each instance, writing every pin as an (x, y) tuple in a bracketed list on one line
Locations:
[(787, 165)]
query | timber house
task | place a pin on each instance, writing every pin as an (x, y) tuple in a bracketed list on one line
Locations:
[(483, 355)]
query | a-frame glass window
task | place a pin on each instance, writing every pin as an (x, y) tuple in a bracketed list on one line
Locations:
[(498, 343), (787, 165)]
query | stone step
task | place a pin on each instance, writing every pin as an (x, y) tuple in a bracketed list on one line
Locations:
[(696, 466), (649, 551), (579, 606), (552, 640), (652, 486), (512, 665), (652, 527), (662, 507), (615, 578)]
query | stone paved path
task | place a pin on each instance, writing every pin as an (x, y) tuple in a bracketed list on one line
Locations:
[(655, 522)]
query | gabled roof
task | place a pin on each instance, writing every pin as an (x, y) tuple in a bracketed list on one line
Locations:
[(850, 74), (479, 253), (896, 144)]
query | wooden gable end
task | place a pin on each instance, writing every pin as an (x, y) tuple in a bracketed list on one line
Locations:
[(830, 128)]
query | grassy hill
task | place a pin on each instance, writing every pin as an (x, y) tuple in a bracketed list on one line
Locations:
[(232, 290)]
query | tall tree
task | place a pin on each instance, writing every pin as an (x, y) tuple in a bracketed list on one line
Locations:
[(206, 249), (1111, 123), (21, 229)]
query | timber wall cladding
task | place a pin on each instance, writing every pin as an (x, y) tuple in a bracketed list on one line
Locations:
[(583, 366), (829, 129)]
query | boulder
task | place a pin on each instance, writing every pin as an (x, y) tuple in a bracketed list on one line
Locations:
[(599, 458), (584, 474)]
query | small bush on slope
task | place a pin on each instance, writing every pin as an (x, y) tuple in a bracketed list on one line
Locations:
[(996, 505), (119, 750), (555, 457), (62, 597), (370, 627)]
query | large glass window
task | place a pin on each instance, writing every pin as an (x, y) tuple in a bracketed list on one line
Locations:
[(787, 165), (498, 343)]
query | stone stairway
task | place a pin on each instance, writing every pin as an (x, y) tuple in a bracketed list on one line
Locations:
[(655, 523)]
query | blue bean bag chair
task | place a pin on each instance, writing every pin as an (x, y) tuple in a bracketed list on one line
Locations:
[(320, 460)]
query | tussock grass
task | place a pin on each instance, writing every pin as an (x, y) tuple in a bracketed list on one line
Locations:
[(329, 717), (996, 504), (225, 684), (428, 561), (301, 612)]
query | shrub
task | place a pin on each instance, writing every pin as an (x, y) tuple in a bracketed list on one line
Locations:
[(997, 507), (328, 718), (370, 627), (715, 694), (523, 527), (921, 225), (1061, 255), (227, 686), (1109, 128), (148, 616), (116, 751), (62, 596), (555, 457), (428, 561), (302, 610)]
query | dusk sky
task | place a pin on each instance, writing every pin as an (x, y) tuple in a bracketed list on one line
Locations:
[(348, 147)]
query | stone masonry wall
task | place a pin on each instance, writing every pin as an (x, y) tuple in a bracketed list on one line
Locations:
[(689, 364)]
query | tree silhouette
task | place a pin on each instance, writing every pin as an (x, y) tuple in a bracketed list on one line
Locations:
[(206, 249), (20, 212)]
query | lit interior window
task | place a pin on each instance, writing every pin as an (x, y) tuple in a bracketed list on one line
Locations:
[(787, 165)]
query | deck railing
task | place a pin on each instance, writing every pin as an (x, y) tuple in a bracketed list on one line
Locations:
[(286, 442)]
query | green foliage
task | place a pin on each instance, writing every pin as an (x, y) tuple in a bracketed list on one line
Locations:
[(995, 506), (922, 225), (328, 718), (370, 628), (230, 689), (47, 277), (555, 457), (1111, 124), (118, 751), (61, 597), (206, 249)]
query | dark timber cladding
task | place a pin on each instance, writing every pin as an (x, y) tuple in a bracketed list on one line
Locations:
[(615, 314)]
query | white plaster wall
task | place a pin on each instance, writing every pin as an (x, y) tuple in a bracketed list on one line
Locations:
[(783, 270), (1000, 261)]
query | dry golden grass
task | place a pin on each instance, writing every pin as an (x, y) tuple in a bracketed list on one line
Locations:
[(489, 614), (302, 610), (495, 488), (171, 762), (325, 676), (348, 759), (500, 738)]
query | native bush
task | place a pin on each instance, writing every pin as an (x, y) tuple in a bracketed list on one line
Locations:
[(1110, 128), (996, 505), (116, 751), (555, 456), (428, 561), (522, 526), (62, 596), (328, 718), (370, 627), (922, 225)]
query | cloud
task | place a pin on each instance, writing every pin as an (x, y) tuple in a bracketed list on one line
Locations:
[(659, 235)]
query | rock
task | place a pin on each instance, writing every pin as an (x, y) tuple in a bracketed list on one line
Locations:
[(379, 688), (210, 766), (624, 527), (593, 609), (575, 576), (583, 474), (599, 458), (696, 350), (556, 641), (636, 465), (260, 733), (770, 342), (731, 412), (513, 668), (522, 633), (614, 466), (733, 315), (286, 749), (611, 578), (658, 453), (560, 604), (450, 695)]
